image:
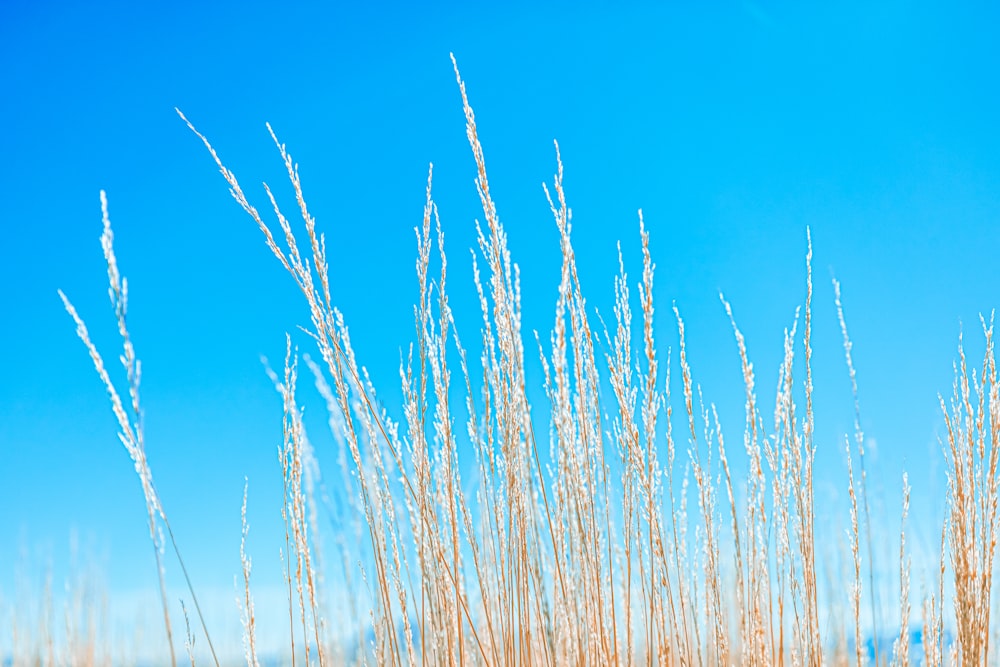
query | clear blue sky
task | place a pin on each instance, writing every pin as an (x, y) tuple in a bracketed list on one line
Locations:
[(733, 126)]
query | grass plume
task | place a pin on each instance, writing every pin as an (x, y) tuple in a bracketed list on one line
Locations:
[(500, 530)]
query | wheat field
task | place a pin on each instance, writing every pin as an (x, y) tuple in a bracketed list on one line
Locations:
[(592, 520)]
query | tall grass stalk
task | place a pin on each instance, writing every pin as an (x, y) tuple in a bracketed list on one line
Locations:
[(901, 647), (130, 420), (859, 441), (248, 616)]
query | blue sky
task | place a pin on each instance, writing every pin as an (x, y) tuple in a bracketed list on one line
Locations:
[(734, 126)]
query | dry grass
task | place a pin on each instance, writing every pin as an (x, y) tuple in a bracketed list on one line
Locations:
[(972, 453), (585, 549)]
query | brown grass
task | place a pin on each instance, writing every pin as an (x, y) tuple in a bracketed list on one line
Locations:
[(582, 551), (972, 453)]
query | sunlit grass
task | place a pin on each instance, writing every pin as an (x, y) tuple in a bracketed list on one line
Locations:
[(596, 533)]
